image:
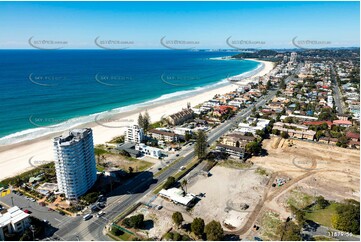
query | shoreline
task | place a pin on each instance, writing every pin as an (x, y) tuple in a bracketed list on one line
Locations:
[(15, 157)]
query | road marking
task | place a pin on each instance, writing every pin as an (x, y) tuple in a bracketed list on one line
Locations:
[(58, 220)]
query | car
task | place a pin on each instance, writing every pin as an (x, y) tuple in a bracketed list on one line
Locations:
[(101, 213), (32, 199), (87, 217), (61, 213), (182, 168), (27, 211), (159, 207), (177, 155), (45, 221), (50, 209), (159, 168)]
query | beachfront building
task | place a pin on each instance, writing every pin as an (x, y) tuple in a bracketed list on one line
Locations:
[(134, 134), (149, 151), (180, 117), (14, 221), (163, 135), (75, 162)]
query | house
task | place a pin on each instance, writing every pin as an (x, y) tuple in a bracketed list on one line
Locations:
[(14, 221), (353, 136), (233, 151), (180, 117), (178, 196), (223, 109), (342, 123), (164, 135), (299, 134), (236, 140), (354, 144), (318, 123), (149, 151), (252, 125)]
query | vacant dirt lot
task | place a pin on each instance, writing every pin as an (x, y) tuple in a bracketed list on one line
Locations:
[(314, 170), (227, 191)]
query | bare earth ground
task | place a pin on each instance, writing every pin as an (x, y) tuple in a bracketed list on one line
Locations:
[(118, 161), (226, 190), (314, 169), (310, 169)]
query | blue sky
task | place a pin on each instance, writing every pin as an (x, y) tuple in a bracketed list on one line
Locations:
[(208, 24)]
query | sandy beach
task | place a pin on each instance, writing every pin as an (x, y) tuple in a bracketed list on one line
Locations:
[(20, 157)]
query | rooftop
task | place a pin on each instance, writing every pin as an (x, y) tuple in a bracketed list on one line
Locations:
[(13, 215)]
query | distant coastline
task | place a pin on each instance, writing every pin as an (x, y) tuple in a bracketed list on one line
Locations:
[(96, 118), (14, 158)]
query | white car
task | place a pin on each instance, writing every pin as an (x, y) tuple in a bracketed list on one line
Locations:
[(101, 213)]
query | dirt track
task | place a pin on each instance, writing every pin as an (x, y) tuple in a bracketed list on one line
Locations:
[(304, 162)]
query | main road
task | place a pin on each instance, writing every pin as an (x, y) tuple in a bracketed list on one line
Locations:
[(130, 193)]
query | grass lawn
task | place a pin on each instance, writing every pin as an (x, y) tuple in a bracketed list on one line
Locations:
[(235, 164), (323, 238), (299, 199), (269, 226), (323, 216)]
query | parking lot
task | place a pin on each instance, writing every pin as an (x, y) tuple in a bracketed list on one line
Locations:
[(42, 213)]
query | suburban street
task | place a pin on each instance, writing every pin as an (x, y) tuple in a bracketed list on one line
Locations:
[(337, 93)]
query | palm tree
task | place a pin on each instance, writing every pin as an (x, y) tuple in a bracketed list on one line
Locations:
[(184, 185)]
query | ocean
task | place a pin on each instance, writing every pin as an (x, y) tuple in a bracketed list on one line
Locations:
[(61, 88)]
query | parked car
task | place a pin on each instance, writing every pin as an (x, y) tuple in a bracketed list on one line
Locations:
[(27, 211)]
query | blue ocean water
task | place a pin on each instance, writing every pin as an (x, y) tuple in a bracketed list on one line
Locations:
[(40, 88)]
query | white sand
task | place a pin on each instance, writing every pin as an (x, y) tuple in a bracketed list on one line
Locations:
[(15, 158)]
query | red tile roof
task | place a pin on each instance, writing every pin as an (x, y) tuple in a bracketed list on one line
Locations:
[(344, 122), (329, 123), (352, 135)]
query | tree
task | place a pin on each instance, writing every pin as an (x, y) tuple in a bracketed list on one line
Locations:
[(299, 214), (177, 218), (321, 202), (146, 121), (140, 120), (284, 134), (135, 221), (184, 185), (253, 147), (90, 197), (197, 226), (319, 134), (348, 217), (276, 131), (187, 136), (290, 231), (200, 147), (130, 169), (214, 231), (169, 183)]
